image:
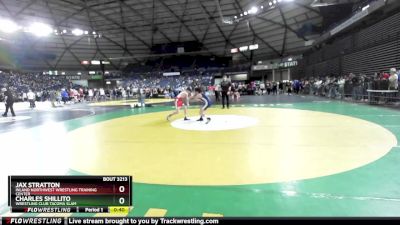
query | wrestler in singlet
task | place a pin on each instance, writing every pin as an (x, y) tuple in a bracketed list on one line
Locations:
[(181, 100)]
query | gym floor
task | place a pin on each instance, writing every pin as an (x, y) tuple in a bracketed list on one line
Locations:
[(265, 156)]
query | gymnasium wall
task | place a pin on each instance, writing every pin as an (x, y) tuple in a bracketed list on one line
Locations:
[(372, 49)]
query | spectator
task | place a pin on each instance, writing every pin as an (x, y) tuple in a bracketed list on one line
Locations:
[(341, 83), (393, 79), (262, 87), (53, 97), (269, 87), (275, 88), (64, 96), (9, 101), (31, 98), (385, 76), (217, 92), (102, 94)]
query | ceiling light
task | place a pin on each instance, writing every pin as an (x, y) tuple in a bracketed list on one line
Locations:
[(253, 47), (77, 32), (86, 32), (64, 31), (365, 7), (40, 29), (253, 10), (244, 48), (95, 62), (245, 13), (270, 3), (94, 32), (8, 26)]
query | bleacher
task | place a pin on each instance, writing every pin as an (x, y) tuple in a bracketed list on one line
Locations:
[(378, 33), (373, 49), (181, 63), (371, 60)]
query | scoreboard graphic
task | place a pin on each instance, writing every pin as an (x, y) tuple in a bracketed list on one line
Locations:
[(69, 194), (60, 195)]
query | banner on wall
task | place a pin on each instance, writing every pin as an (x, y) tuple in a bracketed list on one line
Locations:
[(171, 74), (282, 65)]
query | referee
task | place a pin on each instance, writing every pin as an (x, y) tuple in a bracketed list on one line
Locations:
[(225, 89), (9, 100)]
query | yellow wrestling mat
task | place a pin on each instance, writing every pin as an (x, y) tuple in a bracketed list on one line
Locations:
[(131, 101), (262, 145)]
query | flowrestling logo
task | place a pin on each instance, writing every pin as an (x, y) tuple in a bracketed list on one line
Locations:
[(35, 220)]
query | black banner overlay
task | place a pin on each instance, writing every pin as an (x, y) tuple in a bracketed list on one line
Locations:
[(186, 220)]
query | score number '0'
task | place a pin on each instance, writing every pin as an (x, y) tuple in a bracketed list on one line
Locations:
[(121, 200)]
